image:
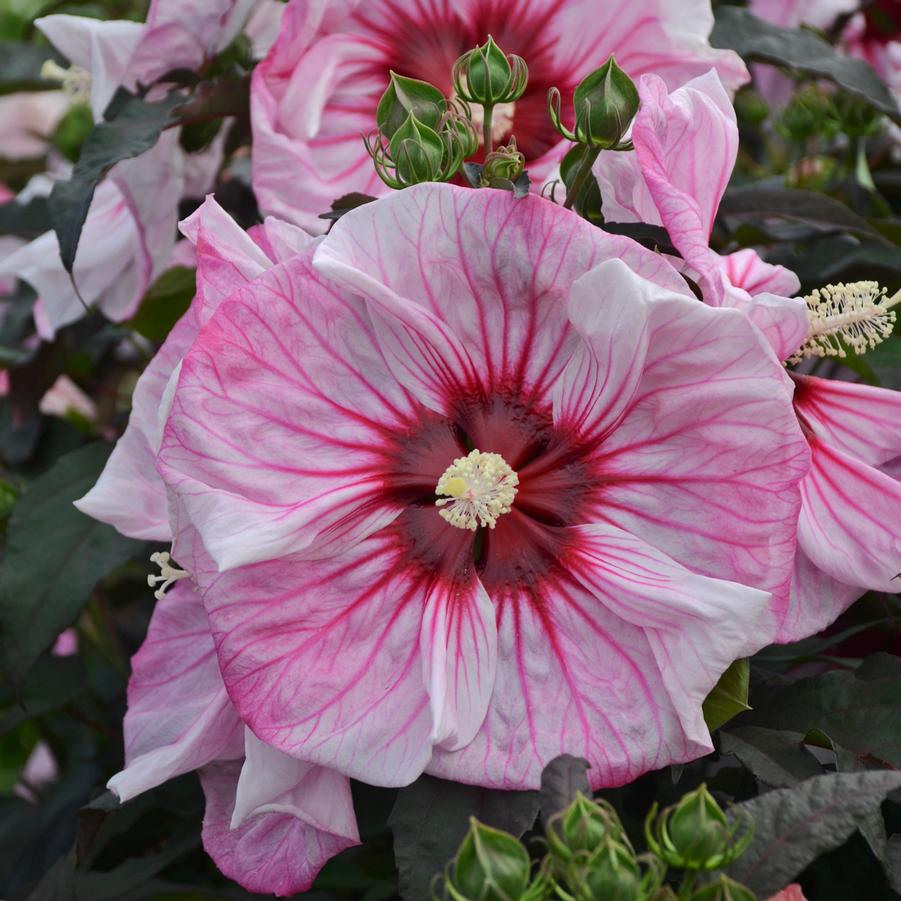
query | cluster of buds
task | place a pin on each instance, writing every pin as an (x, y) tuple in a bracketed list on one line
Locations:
[(421, 136), (604, 105), (695, 833), (591, 854)]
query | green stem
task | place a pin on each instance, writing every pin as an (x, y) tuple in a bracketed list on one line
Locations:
[(487, 142), (582, 176), (688, 883)]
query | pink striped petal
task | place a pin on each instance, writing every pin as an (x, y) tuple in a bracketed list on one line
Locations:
[(850, 524), (226, 258), (745, 269), (272, 782), (706, 441), (179, 714), (272, 853), (459, 658), (860, 420), (322, 658), (508, 264), (276, 434)]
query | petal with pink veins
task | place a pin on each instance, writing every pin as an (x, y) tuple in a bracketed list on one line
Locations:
[(507, 263), (703, 443), (275, 438), (226, 258), (273, 782), (273, 853), (179, 714), (850, 524), (745, 269), (322, 657), (860, 420)]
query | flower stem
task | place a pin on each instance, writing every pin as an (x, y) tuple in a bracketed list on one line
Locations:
[(488, 143), (582, 176)]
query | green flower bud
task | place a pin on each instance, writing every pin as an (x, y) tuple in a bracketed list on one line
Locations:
[(417, 152), (810, 113), (505, 164), (490, 866), (612, 873), (404, 96), (724, 889), (486, 75), (751, 107), (583, 827), (695, 833), (605, 103)]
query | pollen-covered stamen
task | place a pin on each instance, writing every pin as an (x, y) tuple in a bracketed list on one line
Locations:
[(75, 81), (858, 314), (479, 488), (168, 573)]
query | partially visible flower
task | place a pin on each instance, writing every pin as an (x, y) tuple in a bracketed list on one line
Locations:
[(685, 143), (317, 90), (792, 892), (271, 820), (65, 397), (125, 243), (27, 122), (607, 450)]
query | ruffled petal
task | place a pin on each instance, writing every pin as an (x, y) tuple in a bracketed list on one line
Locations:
[(179, 715), (273, 853), (705, 463), (859, 420), (745, 269), (508, 264), (273, 782), (322, 657), (850, 524), (276, 434)]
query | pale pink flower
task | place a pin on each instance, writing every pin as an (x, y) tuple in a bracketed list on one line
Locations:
[(685, 148), (178, 34), (656, 454), (65, 397), (849, 534), (125, 243), (316, 92), (271, 820), (27, 122), (791, 892)]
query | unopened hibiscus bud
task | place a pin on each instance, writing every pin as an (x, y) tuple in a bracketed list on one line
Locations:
[(505, 164), (417, 151), (695, 834), (810, 113), (582, 828), (724, 889), (605, 103), (614, 874), (487, 76), (491, 865), (405, 96)]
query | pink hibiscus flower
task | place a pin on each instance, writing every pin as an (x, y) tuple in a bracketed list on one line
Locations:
[(271, 820), (316, 92), (610, 456), (849, 534)]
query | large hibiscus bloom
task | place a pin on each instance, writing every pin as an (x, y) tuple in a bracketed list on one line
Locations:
[(316, 92), (849, 532), (271, 820), (610, 458)]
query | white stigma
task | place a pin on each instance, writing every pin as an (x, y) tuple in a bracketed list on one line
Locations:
[(168, 573), (479, 488), (858, 315), (75, 81)]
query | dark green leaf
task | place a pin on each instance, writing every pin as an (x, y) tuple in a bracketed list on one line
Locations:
[(793, 826), (757, 41), (775, 757), (729, 696), (136, 128), (51, 683), (20, 67), (817, 210), (431, 817), (25, 220), (54, 557), (561, 780), (655, 237), (166, 302), (859, 710), (345, 204)]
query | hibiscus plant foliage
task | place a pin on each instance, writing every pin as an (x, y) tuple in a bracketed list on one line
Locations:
[(450, 450)]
